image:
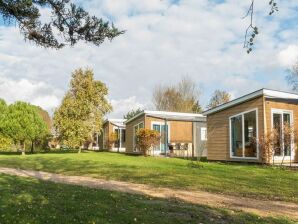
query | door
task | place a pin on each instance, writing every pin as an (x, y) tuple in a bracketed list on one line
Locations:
[(161, 128), (282, 119)]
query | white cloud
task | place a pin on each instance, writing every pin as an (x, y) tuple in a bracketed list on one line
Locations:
[(122, 106), (289, 56), (163, 42), (37, 93)]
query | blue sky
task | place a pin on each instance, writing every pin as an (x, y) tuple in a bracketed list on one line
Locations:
[(165, 40)]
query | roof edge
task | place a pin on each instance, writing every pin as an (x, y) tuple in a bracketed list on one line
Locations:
[(236, 101), (156, 112), (253, 95)]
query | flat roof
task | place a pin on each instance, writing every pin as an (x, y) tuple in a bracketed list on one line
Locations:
[(116, 122), (166, 115), (268, 93)]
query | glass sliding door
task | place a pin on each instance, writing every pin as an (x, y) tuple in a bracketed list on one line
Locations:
[(282, 120), (250, 131), (156, 127), (243, 135), (277, 125), (162, 129), (287, 138)]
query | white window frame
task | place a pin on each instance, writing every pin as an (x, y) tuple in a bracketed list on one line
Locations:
[(243, 134), (282, 111), (120, 135), (169, 132), (133, 134), (204, 130)]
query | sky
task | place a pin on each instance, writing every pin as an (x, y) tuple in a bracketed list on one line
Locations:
[(164, 41)]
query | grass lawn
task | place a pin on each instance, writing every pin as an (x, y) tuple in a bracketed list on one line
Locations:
[(26, 200), (235, 179)]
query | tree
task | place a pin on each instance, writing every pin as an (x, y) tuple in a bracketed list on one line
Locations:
[(43, 143), (3, 109), (69, 23), (82, 110), (182, 97), (132, 113), (46, 117), (219, 97), (292, 77), (5, 141), (22, 123), (146, 138)]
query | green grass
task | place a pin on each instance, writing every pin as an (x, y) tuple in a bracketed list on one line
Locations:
[(26, 200), (235, 179)]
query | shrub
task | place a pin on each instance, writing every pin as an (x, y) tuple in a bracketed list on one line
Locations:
[(113, 139), (6, 144), (269, 142), (146, 139)]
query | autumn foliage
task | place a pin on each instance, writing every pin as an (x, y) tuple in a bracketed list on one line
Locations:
[(146, 139)]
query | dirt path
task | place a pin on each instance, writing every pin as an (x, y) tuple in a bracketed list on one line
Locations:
[(263, 208)]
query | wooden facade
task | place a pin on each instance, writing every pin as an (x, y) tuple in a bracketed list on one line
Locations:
[(107, 130), (180, 132), (218, 125)]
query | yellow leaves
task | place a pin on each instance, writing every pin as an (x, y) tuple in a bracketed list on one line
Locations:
[(82, 109), (147, 138)]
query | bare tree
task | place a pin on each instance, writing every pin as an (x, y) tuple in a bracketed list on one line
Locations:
[(270, 143), (182, 97), (267, 144), (219, 97), (292, 77)]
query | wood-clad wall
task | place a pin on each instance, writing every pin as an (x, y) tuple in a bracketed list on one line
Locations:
[(218, 139), (106, 132), (129, 132), (180, 131)]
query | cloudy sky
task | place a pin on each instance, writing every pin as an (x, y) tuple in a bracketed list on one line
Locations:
[(164, 41)]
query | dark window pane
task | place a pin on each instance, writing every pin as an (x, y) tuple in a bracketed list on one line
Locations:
[(123, 137), (287, 134), (236, 138), (277, 124), (250, 132)]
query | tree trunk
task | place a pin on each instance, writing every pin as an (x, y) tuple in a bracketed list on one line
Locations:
[(24, 148), (32, 147), (80, 150)]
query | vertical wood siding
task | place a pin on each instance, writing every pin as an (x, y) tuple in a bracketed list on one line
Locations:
[(180, 131), (218, 132)]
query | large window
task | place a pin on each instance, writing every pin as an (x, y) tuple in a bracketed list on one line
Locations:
[(243, 135), (135, 130), (120, 136)]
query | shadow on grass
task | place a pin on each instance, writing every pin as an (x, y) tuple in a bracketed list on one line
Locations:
[(56, 151), (235, 179), (33, 201)]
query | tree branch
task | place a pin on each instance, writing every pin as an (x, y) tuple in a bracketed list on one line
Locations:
[(252, 30)]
